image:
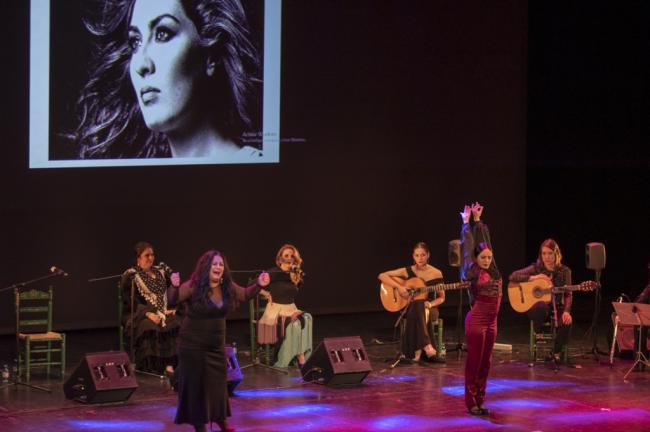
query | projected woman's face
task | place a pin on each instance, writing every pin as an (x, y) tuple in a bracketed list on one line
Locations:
[(166, 63)]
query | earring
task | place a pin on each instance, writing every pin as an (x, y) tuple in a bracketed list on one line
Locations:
[(209, 70)]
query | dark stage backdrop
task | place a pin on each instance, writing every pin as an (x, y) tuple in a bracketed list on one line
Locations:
[(393, 116), (588, 153)]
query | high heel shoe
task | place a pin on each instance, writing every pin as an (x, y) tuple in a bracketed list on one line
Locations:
[(173, 379), (223, 426), (475, 411)]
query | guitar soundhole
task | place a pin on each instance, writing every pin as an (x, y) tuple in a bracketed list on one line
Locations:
[(537, 292)]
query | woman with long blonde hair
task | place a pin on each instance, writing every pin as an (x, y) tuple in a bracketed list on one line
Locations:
[(282, 323)]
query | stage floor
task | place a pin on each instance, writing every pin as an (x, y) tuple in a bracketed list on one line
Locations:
[(418, 397)]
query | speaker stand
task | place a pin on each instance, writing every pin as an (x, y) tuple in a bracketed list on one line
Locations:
[(592, 331), (460, 346)]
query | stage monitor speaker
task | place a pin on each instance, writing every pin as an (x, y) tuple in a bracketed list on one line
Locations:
[(234, 375), (454, 253), (595, 256), (338, 361), (102, 377)]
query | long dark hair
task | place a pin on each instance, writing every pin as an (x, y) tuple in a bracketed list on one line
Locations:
[(200, 281), (110, 122), (553, 246)]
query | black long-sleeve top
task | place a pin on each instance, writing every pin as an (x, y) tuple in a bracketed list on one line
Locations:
[(281, 287), (560, 276), (482, 281)]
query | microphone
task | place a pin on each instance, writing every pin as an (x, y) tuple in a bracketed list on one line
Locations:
[(295, 269), (168, 270), (58, 271)]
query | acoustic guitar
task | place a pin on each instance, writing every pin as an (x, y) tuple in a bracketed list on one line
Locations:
[(393, 301), (523, 295)]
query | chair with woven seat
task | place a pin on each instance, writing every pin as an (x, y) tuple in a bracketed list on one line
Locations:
[(439, 339), (541, 344), (256, 308), (35, 341)]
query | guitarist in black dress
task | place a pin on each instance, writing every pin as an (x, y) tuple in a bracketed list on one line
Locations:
[(549, 267), (418, 334)]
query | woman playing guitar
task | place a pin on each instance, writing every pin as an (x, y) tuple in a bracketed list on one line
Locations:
[(417, 334), (549, 267)]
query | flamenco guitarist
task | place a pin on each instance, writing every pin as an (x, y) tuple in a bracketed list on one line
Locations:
[(418, 334), (549, 267)]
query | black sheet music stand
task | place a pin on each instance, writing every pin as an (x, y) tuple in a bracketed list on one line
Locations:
[(634, 314)]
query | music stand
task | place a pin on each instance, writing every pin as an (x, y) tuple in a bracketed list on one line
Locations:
[(638, 315)]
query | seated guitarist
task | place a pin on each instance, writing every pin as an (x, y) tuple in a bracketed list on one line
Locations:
[(418, 334), (549, 267)]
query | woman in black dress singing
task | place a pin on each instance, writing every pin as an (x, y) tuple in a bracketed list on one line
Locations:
[(206, 298)]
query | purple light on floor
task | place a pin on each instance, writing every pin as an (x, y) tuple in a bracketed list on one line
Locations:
[(616, 418), (509, 384), (524, 403), (294, 410), (501, 385), (276, 393), (598, 388), (388, 379), (117, 425), (317, 424), (414, 423)]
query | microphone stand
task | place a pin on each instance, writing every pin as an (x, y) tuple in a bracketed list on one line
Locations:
[(400, 354), (16, 288), (460, 346)]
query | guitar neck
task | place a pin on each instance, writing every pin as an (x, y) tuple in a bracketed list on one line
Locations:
[(566, 288), (445, 287)]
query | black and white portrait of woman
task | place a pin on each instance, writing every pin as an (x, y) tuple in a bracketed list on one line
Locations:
[(177, 80)]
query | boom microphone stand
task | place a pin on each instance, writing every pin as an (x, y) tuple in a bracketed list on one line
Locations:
[(16, 288)]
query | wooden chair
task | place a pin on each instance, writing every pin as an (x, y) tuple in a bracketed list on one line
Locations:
[(35, 340), (439, 338), (256, 308), (541, 344)]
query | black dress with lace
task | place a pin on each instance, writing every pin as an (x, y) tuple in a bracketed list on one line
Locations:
[(154, 345)]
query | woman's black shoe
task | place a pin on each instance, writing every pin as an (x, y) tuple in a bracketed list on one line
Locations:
[(476, 411), (173, 379)]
